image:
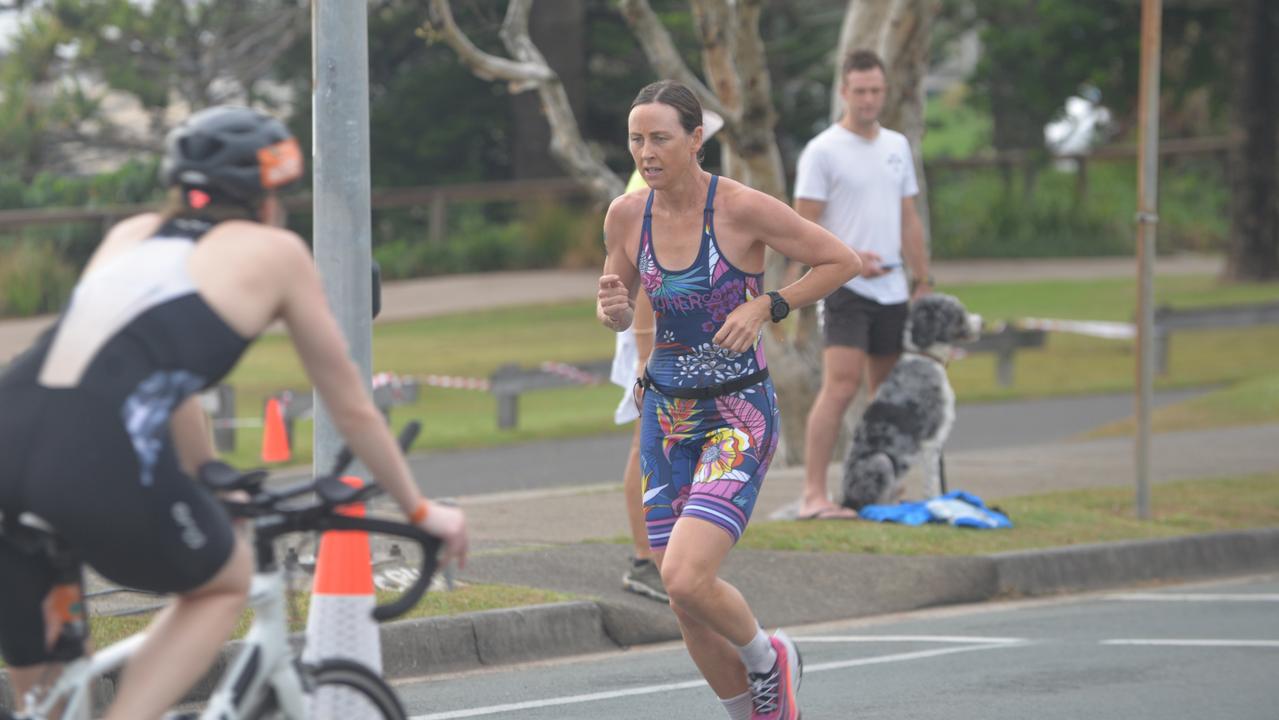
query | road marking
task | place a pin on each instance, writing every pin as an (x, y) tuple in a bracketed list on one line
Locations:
[(1195, 597), (901, 657), (651, 689), (952, 639), (1195, 643), (566, 700)]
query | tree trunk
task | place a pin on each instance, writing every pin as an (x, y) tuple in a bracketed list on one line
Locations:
[(714, 19), (1254, 207)]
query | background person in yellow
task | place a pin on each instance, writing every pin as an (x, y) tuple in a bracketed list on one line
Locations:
[(634, 345)]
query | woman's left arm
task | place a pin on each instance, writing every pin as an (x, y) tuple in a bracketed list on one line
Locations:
[(831, 263)]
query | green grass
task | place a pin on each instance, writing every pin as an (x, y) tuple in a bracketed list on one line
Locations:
[(1250, 402), (476, 344), (465, 599), (1108, 299), (1074, 364), (1049, 520)]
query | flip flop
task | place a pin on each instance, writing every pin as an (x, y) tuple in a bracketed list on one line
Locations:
[(827, 513)]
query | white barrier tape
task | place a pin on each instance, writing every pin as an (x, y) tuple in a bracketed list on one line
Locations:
[(1092, 328), (451, 381), (571, 372)]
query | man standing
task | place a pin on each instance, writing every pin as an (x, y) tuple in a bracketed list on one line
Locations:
[(857, 179)]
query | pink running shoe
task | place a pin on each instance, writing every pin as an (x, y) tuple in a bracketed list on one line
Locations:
[(773, 694)]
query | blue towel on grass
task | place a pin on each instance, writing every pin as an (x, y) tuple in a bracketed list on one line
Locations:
[(957, 508)]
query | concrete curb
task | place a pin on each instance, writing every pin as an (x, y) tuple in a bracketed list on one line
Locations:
[(1080, 568), (413, 648)]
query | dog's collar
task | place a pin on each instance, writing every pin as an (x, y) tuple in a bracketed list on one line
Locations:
[(940, 361)]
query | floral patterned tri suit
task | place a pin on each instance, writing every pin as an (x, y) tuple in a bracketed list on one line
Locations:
[(702, 458)]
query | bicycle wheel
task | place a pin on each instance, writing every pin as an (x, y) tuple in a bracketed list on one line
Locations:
[(341, 690)]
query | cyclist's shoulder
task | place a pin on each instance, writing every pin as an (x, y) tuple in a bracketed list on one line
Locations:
[(264, 243)]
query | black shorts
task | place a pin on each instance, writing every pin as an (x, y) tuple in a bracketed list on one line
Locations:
[(77, 470), (851, 320)]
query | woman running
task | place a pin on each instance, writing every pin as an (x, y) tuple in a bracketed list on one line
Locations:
[(696, 242)]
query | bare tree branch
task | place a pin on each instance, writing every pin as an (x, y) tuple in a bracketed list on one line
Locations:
[(520, 76), (665, 58), (529, 70), (251, 53)]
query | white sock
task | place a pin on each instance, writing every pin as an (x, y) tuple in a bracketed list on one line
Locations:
[(758, 654), (738, 708)]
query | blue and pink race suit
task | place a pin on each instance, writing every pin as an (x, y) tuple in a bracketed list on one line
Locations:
[(701, 457)]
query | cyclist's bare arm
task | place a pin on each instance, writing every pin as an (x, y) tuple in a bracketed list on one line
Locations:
[(323, 351)]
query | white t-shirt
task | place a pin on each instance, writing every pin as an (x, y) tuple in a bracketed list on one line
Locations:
[(862, 183)]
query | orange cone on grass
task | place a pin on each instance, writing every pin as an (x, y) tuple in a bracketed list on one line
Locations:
[(275, 437), (340, 623)]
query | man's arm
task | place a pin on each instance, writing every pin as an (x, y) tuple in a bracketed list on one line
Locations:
[(913, 249)]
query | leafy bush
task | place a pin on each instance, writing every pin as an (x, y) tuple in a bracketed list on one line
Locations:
[(975, 213), (34, 279), (482, 239)]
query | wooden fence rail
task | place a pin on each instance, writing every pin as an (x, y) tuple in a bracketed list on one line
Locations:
[(436, 198)]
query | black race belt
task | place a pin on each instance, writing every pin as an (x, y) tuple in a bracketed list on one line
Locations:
[(708, 392)]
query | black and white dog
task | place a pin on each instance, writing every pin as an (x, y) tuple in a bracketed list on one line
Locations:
[(913, 409)]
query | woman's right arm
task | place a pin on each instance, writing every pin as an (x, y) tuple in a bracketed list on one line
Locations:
[(324, 354), (619, 283)]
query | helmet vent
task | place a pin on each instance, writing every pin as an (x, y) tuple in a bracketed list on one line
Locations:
[(201, 147)]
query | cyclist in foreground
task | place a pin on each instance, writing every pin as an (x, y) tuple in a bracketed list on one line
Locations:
[(102, 432)]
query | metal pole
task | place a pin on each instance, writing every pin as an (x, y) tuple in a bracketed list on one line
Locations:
[(1147, 223), (343, 226)]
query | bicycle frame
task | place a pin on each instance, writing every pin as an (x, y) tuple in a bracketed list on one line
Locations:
[(265, 659)]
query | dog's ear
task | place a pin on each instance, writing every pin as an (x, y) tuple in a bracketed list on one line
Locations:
[(955, 325), (924, 321)]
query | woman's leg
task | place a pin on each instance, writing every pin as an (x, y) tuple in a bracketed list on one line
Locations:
[(633, 490), (183, 641), (713, 616)]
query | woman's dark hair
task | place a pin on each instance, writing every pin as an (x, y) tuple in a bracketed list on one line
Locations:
[(678, 96)]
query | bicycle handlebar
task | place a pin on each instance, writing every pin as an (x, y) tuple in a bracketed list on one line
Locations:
[(323, 515), (430, 551)]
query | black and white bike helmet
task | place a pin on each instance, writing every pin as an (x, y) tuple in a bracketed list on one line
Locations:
[(230, 154)]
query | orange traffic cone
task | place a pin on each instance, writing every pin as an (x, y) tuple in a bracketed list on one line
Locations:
[(340, 623), (275, 438)]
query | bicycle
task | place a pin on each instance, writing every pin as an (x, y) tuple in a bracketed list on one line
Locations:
[(267, 679)]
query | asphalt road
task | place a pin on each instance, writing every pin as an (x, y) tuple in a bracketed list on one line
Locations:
[(1190, 651), (599, 459)]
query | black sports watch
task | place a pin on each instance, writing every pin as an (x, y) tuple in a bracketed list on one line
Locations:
[(780, 308)]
